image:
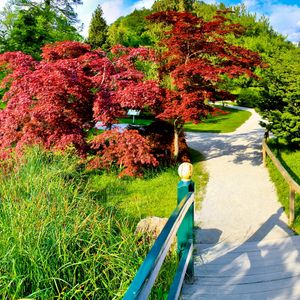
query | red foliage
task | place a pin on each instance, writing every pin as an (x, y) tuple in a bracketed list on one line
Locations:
[(128, 150), (49, 105), (17, 64), (197, 59), (126, 87), (54, 102), (64, 50)]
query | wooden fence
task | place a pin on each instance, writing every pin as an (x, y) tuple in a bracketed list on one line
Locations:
[(293, 185)]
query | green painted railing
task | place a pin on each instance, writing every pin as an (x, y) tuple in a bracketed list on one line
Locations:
[(181, 223)]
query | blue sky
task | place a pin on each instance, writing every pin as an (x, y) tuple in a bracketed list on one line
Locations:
[(284, 15)]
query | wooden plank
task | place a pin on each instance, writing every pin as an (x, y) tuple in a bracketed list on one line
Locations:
[(242, 289), (264, 154), (228, 271), (279, 243), (245, 279)]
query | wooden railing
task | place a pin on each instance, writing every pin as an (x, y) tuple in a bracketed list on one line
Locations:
[(293, 185), (181, 223)]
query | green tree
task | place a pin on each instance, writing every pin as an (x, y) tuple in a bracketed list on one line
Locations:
[(29, 26), (176, 5), (280, 102), (97, 29), (132, 30), (59, 7), (26, 34)]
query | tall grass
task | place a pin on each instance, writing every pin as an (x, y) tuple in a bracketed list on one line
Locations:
[(58, 240)]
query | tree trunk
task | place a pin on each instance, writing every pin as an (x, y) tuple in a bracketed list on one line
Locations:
[(178, 126), (176, 144)]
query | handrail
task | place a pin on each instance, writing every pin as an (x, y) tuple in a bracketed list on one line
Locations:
[(143, 282), (293, 185)]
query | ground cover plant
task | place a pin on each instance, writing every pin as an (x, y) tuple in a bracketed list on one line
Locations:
[(290, 159)]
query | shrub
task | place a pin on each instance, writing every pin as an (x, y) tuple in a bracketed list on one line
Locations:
[(248, 97), (55, 101), (128, 150)]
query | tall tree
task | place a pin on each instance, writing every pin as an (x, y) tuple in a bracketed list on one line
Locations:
[(27, 26), (280, 101), (60, 7), (97, 29), (197, 60)]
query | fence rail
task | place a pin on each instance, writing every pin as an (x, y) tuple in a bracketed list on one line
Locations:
[(293, 185), (181, 223)]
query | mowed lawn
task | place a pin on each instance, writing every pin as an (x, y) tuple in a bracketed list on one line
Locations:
[(220, 123)]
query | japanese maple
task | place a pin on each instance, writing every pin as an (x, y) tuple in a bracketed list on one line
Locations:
[(128, 150), (55, 101), (198, 57)]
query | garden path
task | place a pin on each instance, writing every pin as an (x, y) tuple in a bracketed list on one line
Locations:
[(240, 202)]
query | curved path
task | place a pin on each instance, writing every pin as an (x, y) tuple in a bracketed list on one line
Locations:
[(240, 202)]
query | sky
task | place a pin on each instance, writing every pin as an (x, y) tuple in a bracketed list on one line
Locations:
[(284, 15)]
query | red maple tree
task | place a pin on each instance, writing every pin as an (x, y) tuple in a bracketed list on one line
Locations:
[(128, 149), (197, 59), (53, 102)]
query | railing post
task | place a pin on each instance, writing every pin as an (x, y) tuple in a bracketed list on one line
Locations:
[(185, 231), (292, 206), (264, 154)]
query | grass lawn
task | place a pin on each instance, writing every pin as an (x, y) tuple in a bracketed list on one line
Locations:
[(155, 195), (290, 159), (221, 123), (137, 121), (218, 124)]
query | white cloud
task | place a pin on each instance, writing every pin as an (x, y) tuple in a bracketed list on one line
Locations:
[(2, 3), (285, 19), (250, 4), (112, 10), (143, 4), (210, 1)]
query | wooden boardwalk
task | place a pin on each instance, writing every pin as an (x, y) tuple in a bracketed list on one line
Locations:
[(268, 269)]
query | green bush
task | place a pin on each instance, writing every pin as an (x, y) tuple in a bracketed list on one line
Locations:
[(248, 97)]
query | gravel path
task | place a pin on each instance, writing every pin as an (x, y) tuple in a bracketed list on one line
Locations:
[(240, 202)]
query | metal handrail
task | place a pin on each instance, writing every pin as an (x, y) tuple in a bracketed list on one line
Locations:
[(143, 282)]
